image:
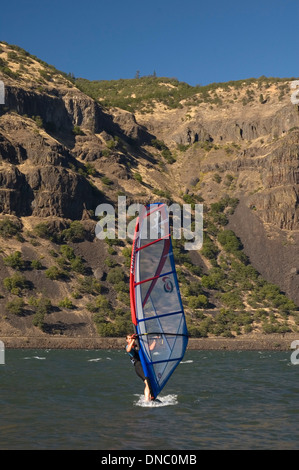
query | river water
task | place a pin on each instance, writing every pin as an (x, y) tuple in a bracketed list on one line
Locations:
[(92, 399)]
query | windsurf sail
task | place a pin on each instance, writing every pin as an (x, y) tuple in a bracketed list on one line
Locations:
[(156, 305)]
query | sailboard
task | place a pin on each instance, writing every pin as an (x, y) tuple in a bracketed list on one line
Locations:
[(156, 305)]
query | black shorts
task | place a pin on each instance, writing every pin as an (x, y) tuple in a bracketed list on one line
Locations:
[(139, 370)]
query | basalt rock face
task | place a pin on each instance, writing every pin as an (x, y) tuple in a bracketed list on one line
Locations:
[(16, 195), (36, 176), (230, 123), (58, 192), (129, 126), (41, 163), (42, 174), (59, 109), (272, 175), (62, 154)]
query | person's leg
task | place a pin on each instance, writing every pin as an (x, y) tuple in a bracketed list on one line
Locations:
[(147, 392), (140, 373)]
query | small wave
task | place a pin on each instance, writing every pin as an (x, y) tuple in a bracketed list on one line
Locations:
[(187, 362), (168, 400), (95, 360), (36, 357)]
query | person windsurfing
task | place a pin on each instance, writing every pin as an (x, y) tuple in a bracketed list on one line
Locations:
[(132, 350)]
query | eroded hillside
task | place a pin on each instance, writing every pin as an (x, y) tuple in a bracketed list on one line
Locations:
[(65, 150)]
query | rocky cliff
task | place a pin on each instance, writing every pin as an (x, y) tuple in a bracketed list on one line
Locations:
[(63, 153)]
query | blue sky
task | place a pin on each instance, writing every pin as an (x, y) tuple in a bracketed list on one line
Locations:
[(195, 41)]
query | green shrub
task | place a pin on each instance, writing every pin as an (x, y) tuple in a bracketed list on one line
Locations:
[(38, 120), (159, 144), (122, 286), (166, 153), (116, 275), (67, 251), (15, 284), (39, 320), (107, 181), (42, 230), (194, 288), (15, 306), (217, 207), (216, 279), (111, 144), (15, 260), (44, 74), (36, 264), (77, 265), (137, 177), (110, 262), (124, 297), (8, 229), (193, 268), (42, 307), (229, 241), (66, 303), (62, 262), (101, 304), (42, 304), (232, 300), (199, 301), (106, 329), (209, 249), (111, 251), (217, 178), (247, 329), (89, 285), (75, 232), (55, 273), (220, 219), (77, 130), (90, 169), (76, 295)]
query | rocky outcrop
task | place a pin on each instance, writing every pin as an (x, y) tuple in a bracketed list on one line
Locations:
[(134, 131), (233, 125), (272, 251), (46, 191), (192, 133), (38, 134), (279, 207), (62, 193), (50, 107), (88, 148), (47, 182), (13, 153), (16, 195)]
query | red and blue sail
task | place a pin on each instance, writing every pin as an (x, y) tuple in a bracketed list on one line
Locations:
[(156, 305)]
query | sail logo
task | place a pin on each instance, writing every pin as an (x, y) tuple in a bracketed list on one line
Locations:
[(295, 354), (168, 285), (2, 93)]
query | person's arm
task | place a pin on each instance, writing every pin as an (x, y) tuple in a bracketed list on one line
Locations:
[(130, 345)]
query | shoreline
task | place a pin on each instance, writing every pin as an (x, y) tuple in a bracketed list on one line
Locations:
[(273, 342)]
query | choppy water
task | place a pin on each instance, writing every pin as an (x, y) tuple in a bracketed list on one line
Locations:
[(54, 399)]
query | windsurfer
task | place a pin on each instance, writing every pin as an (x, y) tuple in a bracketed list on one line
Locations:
[(132, 350)]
